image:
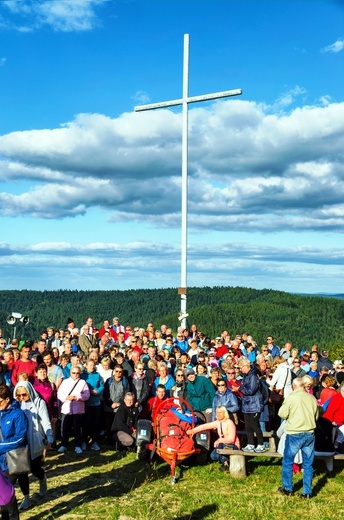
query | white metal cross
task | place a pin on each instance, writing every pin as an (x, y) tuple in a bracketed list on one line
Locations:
[(185, 102)]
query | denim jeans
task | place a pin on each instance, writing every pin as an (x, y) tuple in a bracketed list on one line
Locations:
[(221, 458), (294, 443)]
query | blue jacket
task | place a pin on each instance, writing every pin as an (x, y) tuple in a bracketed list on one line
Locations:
[(252, 398), (226, 399), (94, 382), (168, 385), (275, 351), (13, 424)]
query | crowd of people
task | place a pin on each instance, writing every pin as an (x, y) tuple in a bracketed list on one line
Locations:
[(96, 383)]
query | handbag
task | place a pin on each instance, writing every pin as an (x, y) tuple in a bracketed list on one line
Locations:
[(6, 490), (18, 461), (277, 396)]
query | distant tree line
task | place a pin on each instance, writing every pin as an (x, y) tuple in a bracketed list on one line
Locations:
[(304, 320)]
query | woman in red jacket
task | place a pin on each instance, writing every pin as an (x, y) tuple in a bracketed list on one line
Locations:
[(335, 414)]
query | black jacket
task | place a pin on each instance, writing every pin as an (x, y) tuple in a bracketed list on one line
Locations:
[(125, 419)]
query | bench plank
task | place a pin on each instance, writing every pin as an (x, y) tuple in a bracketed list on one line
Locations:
[(237, 460)]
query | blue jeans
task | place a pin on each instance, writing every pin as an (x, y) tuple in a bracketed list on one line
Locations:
[(294, 443), (221, 458)]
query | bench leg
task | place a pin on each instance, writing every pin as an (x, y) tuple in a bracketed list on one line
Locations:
[(272, 444), (237, 466)]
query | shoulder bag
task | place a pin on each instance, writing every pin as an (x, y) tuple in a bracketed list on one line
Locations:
[(18, 460), (277, 396)]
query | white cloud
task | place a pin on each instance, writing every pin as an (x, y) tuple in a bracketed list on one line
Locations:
[(335, 47), (148, 263), (60, 15), (250, 168), (2, 61), (141, 97), (289, 97)]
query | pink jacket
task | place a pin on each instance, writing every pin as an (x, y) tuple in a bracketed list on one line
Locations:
[(81, 391)]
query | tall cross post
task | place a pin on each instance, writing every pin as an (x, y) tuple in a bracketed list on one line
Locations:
[(185, 101)]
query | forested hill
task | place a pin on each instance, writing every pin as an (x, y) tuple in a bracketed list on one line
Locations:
[(302, 319)]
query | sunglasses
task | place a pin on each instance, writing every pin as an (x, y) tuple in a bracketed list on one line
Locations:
[(221, 384), (22, 395), (75, 372)]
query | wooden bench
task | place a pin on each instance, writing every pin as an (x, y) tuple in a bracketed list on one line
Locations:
[(237, 459)]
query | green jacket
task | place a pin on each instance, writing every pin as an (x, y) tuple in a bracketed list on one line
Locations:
[(200, 393)]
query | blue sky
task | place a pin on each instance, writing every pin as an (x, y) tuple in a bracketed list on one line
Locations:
[(90, 191)]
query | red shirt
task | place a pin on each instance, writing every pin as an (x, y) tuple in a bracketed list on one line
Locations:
[(20, 366), (221, 351), (111, 332)]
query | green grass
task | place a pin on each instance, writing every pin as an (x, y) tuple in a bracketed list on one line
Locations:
[(114, 485)]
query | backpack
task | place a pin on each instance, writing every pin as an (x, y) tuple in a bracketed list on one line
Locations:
[(6, 490)]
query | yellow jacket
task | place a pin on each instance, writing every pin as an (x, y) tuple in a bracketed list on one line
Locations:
[(300, 410)]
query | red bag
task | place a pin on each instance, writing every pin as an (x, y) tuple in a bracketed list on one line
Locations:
[(173, 434)]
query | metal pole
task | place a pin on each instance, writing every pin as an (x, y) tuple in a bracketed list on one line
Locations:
[(184, 243), (185, 103)]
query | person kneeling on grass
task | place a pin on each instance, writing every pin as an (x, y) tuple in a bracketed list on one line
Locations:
[(227, 437), (125, 421)]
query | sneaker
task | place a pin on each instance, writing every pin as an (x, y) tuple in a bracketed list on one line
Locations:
[(43, 488), (249, 447), (285, 492), (259, 449), (83, 446), (62, 449), (95, 446), (26, 504), (78, 450), (307, 496)]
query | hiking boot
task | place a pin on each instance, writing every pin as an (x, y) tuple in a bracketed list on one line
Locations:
[(62, 449), (78, 450), (95, 446), (224, 466), (26, 504), (43, 488)]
